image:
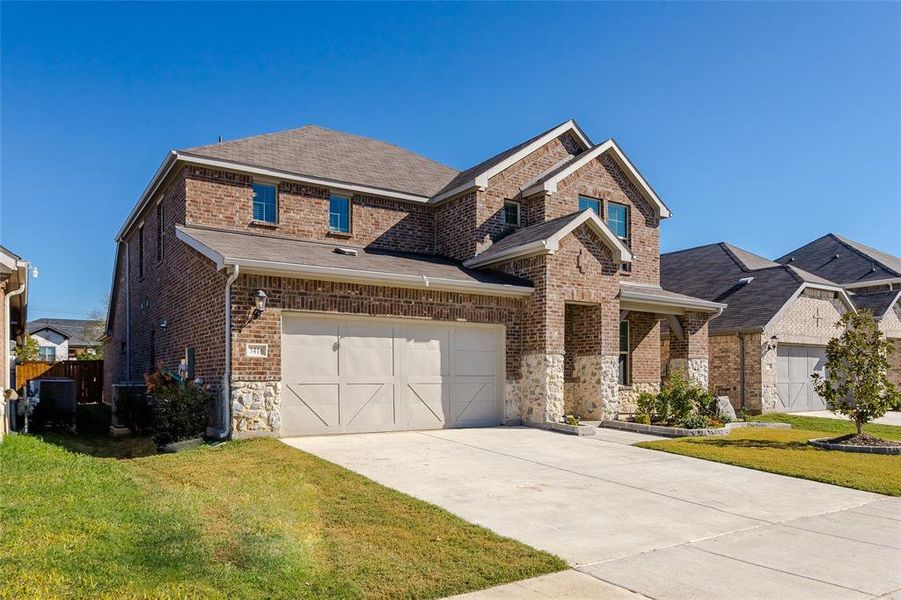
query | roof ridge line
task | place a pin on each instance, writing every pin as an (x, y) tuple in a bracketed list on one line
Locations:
[(844, 242)]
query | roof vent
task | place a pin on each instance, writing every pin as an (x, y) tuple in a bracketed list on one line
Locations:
[(791, 259), (836, 256), (346, 251), (745, 280)]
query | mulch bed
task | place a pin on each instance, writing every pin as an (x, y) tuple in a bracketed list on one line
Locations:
[(863, 439)]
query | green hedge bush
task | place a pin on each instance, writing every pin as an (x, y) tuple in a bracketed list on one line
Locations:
[(179, 408)]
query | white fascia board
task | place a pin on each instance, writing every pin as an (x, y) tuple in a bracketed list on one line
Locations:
[(550, 185), (684, 303), (203, 249), (552, 243), (377, 277), (874, 282), (480, 181), (161, 173), (9, 261), (174, 157), (518, 156), (288, 176), (846, 300), (539, 247), (266, 267), (623, 254)]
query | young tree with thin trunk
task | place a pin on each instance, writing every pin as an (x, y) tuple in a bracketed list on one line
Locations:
[(856, 384)]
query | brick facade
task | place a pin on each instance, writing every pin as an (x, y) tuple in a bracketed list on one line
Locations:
[(566, 330)]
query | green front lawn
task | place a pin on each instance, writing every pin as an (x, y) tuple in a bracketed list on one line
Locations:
[(253, 519), (786, 452)]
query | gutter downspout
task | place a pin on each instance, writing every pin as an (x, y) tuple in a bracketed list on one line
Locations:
[(7, 380), (225, 392)]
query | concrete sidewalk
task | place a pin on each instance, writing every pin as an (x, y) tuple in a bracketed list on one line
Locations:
[(657, 524), (893, 417)]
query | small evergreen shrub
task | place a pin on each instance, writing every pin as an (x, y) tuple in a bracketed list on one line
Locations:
[(695, 421), (179, 408), (642, 418), (646, 406)]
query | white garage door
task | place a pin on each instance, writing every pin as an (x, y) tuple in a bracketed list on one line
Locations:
[(794, 384), (349, 374)]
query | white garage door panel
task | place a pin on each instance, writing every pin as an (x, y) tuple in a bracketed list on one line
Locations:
[(794, 384), (367, 374), (309, 408)]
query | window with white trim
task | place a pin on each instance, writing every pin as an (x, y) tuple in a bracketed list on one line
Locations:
[(47, 353), (339, 213), (265, 202), (625, 357), (618, 220), (511, 213), (592, 203)]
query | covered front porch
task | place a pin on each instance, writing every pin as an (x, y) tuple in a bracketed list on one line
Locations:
[(606, 368)]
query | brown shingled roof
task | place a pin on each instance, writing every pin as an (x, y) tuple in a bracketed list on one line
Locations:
[(328, 154)]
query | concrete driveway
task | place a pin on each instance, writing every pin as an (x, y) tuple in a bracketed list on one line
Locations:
[(661, 525)]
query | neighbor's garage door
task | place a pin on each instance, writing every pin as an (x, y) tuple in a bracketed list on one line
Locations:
[(342, 375), (794, 384)]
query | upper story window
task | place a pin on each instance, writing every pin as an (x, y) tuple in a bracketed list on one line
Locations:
[(511, 213), (141, 251), (47, 353), (592, 203), (265, 202), (624, 355), (618, 219), (339, 213), (160, 228)]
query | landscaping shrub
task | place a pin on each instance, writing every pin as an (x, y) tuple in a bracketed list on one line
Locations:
[(179, 408), (695, 421), (646, 406), (679, 400)]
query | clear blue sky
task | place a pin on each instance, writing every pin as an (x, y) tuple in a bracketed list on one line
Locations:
[(766, 125)]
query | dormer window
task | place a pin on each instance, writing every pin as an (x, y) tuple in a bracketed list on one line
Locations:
[(265, 203), (592, 203), (511, 213), (339, 213)]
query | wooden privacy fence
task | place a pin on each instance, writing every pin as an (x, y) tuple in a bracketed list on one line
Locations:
[(88, 375)]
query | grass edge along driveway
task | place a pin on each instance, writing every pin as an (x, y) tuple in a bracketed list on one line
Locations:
[(249, 519), (786, 452)]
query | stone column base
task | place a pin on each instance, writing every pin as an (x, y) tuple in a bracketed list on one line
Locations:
[(256, 406), (609, 386), (541, 388), (696, 369)]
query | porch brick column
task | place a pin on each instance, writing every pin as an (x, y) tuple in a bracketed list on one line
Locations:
[(610, 359), (690, 350)]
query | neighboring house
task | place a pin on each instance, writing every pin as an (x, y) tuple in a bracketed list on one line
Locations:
[(774, 331), (64, 339), (369, 288), (14, 297), (871, 277)]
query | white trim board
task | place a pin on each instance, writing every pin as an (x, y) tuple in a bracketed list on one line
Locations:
[(549, 185), (265, 267), (480, 181), (551, 244)]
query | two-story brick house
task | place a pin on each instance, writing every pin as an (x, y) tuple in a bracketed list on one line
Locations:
[(368, 288)]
